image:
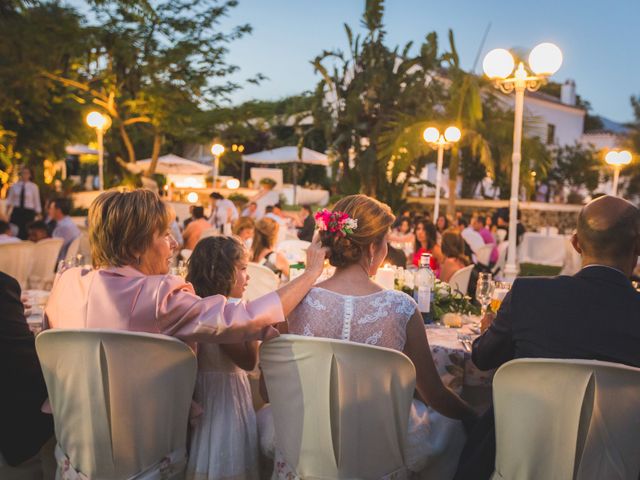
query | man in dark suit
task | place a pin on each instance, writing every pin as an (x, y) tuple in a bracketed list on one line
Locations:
[(308, 224), (24, 429), (593, 315)]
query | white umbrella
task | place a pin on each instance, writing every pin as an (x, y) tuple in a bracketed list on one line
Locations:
[(79, 149), (172, 164)]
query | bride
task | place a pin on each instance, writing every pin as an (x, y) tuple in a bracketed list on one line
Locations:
[(350, 306)]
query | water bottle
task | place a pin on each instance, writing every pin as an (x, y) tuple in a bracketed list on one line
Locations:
[(424, 282)]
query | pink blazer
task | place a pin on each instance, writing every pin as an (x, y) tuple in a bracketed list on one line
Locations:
[(125, 299)]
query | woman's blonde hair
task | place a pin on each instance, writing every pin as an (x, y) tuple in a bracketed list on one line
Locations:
[(241, 224), (453, 246), (122, 225), (264, 236), (374, 221)]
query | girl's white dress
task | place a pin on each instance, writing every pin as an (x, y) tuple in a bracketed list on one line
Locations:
[(224, 443)]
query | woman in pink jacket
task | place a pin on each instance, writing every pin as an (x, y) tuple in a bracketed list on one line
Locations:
[(130, 288)]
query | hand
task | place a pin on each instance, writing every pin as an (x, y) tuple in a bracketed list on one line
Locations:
[(486, 321), (316, 255)]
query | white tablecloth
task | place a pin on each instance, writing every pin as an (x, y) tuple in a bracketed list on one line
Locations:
[(543, 249)]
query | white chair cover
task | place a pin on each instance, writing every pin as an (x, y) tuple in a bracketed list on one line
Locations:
[(498, 268), (340, 409), (501, 235), (294, 250), (261, 281), (567, 419), (16, 259), (460, 279), (45, 256), (74, 249), (483, 254), (120, 402)]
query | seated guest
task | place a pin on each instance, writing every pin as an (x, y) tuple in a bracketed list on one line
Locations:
[(244, 229), (395, 257), (130, 288), (308, 224), (501, 221), (5, 234), (174, 226), (251, 210), (37, 231), (469, 234), (262, 247), (24, 429), (442, 224), (194, 230), (402, 236), (426, 242), (59, 209), (478, 224), (275, 213), (453, 252), (224, 441), (593, 315), (223, 211), (384, 318)]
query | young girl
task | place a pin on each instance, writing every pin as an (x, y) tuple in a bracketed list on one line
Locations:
[(224, 443)]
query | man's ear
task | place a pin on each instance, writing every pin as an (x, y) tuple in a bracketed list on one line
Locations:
[(576, 243)]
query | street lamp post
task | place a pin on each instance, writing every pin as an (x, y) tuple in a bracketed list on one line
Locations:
[(617, 159), (216, 151), (439, 142), (544, 60), (100, 123)]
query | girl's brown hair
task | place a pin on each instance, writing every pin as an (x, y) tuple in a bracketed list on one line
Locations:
[(243, 223), (211, 268), (374, 220), (264, 236), (453, 246)]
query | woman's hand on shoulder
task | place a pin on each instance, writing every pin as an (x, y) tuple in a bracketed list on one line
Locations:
[(316, 255)]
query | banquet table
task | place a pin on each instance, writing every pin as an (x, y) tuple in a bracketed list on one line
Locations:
[(543, 249)]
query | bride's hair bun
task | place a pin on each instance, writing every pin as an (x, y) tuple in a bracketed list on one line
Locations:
[(374, 220)]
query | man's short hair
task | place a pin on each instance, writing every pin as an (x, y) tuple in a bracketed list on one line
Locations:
[(613, 242), (38, 225), (4, 227), (464, 221), (63, 204), (216, 196), (307, 208), (198, 212), (268, 209), (482, 219), (253, 203), (278, 205)]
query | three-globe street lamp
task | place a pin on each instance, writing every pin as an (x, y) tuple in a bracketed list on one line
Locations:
[(216, 151), (101, 124), (617, 158), (544, 60), (439, 142)]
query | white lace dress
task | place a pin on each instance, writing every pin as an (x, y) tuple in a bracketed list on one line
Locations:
[(379, 319), (224, 442)]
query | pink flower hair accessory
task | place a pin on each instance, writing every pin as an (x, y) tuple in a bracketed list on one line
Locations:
[(335, 222)]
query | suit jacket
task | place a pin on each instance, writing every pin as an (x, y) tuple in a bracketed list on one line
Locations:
[(592, 315), (23, 427)]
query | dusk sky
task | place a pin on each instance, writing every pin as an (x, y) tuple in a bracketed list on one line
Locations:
[(599, 40)]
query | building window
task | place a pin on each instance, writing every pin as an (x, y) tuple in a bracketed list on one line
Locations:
[(551, 134)]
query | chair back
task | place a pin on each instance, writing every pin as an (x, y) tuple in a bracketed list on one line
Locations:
[(567, 419), (460, 279), (120, 400), (16, 260), (503, 249), (261, 281), (483, 254), (45, 256), (340, 409), (501, 235), (294, 250), (74, 249)]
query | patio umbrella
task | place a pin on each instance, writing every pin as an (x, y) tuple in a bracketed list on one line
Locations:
[(172, 164)]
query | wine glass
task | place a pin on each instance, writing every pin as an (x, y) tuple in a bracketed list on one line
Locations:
[(484, 291), (500, 291)]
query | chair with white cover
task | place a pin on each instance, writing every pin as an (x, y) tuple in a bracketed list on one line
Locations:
[(460, 279), (16, 260), (340, 409), (120, 401), (294, 250), (483, 254), (45, 257), (261, 281), (501, 235), (567, 419), (498, 268)]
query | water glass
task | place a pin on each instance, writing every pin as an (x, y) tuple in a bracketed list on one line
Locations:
[(484, 291)]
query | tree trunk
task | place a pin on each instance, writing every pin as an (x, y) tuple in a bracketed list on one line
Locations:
[(155, 153), (131, 153)]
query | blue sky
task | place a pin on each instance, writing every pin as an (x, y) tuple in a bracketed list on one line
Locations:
[(600, 40)]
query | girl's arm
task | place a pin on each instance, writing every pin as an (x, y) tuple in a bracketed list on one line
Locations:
[(428, 382), (282, 263), (244, 355)]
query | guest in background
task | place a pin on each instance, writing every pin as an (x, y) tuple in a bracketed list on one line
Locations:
[(5, 234), (593, 315), (244, 229), (189, 219), (174, 226), (25, 429), (502, 223), (426, 242), (251, 210), (479, 226), (402, 237), (193, 232), (442, 224), (224, 442), (453, 251), (262, 247), (469, 234), (59, 209), (395, 257), (37, 231), (274, 212), (308, 224), (223, 211), (23, 202)]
